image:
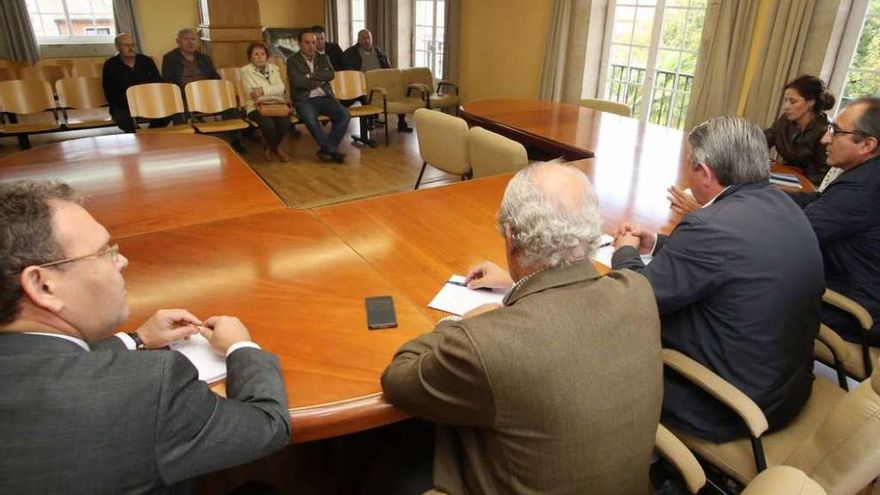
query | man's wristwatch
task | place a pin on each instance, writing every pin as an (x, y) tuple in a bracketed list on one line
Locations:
[(138, 343)]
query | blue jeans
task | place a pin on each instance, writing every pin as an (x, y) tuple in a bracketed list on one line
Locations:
[(308, 112)]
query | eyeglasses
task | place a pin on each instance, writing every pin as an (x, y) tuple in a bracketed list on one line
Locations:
[(112, 250), (834, 130)]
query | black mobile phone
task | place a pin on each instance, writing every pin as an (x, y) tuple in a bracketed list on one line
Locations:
[(380, 313)]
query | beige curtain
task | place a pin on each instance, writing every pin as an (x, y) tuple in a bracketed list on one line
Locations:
[(331, 20), (782, 48), (17, 40), (563, 70), (382, 22), (724, 49), (451, 41)]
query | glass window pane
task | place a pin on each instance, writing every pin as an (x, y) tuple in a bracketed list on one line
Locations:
[(624, 18), (868, 51), (639, 58), (619, 55), (643, 26), (673, 28), (874, 8), (861, 84), (694, 30), (688, 63), (667, 60)]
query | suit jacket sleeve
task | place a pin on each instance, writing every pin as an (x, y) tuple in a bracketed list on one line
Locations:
[(198, 432), (439, 376), (803, 198), (298, 75), (323, 69), (687, 265), (842, 210)]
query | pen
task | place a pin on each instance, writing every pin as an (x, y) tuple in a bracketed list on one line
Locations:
[(455, 282), (606, 244)]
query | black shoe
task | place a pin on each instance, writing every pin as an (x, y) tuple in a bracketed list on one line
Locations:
[(338, 157), (403, 128), (237, 146), (325, 157)]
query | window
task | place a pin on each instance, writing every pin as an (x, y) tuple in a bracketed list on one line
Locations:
[(430, 16), (72, 21), (857, 71), (358, 18), (652, 70)]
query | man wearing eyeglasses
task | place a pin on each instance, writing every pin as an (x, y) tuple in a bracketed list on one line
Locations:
[(846, 216), (83, 411)]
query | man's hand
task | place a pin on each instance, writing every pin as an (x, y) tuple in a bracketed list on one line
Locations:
[(633, 235), (488, 275), (223, 331), (681, 202), (483, 308), (166, 326)]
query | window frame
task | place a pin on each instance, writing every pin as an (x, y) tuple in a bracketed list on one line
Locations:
[(352, 22), (432, 55), (97, 39), (846, 52)]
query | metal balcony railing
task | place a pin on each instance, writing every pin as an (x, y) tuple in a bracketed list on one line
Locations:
[(669, 96)]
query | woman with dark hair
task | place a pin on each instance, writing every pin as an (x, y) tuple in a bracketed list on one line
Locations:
[(262, 83), (798, 132)]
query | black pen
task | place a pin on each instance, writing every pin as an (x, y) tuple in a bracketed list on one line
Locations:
[(606, 244)]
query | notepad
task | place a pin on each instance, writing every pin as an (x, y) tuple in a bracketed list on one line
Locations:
[(211, 366), (785, 180), (454, 297), (603, 254)]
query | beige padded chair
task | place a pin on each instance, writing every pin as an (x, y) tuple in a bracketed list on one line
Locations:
[(82, 93), (27, 98), (607, 106), (676, 453), (49, 73), (350, 85), (156, 101), (210, 97), (493, 154), (847, 357), (835, 439), (442, 143), (445, 95), (395, 96)]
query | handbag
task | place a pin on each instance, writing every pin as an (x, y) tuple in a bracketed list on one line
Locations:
[(273, 107)]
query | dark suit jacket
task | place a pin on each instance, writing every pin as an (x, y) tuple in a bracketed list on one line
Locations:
[(118, 77), (557, 392), (351, 58), (117, 421), (303, 80), (172, 67), (335, 54), (846, 219), (739, 285)]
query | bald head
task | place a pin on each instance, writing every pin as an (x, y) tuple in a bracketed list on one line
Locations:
[(365, 39), (125, 46), (550, 215)]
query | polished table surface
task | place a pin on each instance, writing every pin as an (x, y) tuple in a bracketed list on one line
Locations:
[(146, 183)]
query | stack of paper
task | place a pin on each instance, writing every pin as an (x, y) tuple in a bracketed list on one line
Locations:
[(785, 180), (454, 297), (211, 366)]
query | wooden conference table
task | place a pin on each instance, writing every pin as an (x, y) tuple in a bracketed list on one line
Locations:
[(200, 233)]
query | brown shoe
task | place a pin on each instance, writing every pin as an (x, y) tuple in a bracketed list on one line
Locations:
[(282, 156)]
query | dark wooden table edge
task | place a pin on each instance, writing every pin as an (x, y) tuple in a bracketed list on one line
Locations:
[(333, 419)]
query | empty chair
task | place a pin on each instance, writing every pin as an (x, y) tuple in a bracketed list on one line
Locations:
[(396, 96), (91, 68), (350, 85), (82, 93), (442, 143), (607, 106), (444, 96), (49, 73), (23, 98), (156, 101), (848, 358), (493, 154), (211, 97)]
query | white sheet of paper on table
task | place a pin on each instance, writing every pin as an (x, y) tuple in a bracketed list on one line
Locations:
[(458, 300), (603, 255), (211, 366)]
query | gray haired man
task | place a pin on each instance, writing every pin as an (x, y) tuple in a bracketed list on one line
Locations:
[(527, 396), (738, 283)]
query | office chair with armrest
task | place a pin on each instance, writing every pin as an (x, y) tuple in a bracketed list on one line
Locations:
[(855, 359), (443, 142), (607, 106), (493, 154), (444, 96)]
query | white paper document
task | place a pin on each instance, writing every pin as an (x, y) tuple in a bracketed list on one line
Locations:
[(454, 297), (606, 251), (211, 366)]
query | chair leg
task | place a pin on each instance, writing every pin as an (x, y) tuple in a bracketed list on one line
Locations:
[(421, 172), (386, 129)]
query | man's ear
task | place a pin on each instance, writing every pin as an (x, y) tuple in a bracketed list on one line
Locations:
[(509, 243), (40, 287), (705, 174)]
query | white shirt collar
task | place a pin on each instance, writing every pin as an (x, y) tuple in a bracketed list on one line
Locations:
[(716, 197), (80, 342)]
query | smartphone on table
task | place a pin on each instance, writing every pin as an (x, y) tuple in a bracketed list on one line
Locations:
[(380, 313)]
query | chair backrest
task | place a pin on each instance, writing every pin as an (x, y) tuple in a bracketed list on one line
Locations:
[(50, 73), (443, 141), (154, 100), (390, 79), (233, 75), (8, 74), (349, 84), (210, 96), (80, 92), (419, 75), (843, 454), (26, 97), (607, 106), (493, 154), (88, 69)]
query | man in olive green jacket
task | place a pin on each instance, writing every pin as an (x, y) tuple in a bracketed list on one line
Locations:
[(557, 391)]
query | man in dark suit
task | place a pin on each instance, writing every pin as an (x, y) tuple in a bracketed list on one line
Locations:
[(81, 413), (846, 216), (310, 74), (126, 69), (329, 48), (559, 390), (738, 283)]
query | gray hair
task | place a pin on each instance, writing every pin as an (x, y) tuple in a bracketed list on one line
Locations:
[(735, 148), (550, 229), (183, 31), (26, 235), (868, 124), (119, 37)]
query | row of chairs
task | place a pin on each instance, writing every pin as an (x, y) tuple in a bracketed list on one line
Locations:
[(446, 143), (52, 73)]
